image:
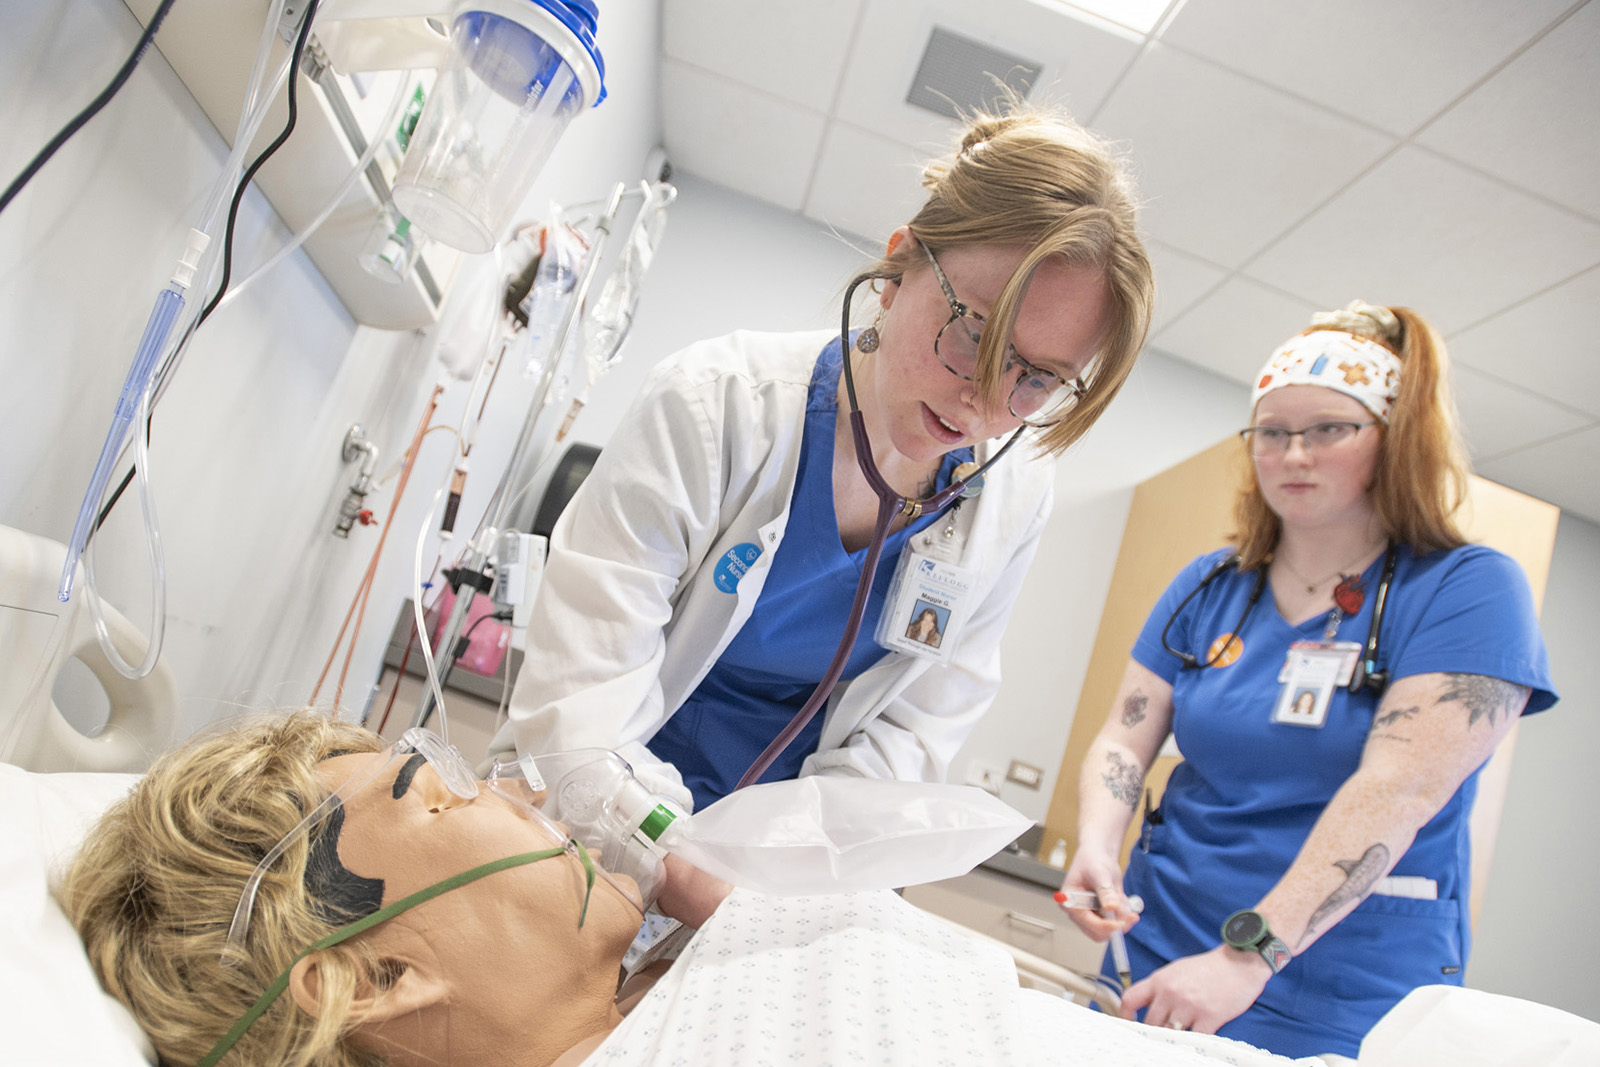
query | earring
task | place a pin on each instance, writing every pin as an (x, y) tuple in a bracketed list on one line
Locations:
[(867, 340)]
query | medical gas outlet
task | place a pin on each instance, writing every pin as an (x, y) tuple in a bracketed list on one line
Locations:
[(351, 512)]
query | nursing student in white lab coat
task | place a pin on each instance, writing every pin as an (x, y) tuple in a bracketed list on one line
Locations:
[(700, 580)]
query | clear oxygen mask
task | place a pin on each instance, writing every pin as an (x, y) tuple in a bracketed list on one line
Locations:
[(594, 794)]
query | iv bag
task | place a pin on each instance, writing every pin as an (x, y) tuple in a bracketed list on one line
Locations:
[(607, 325), (824, 834)]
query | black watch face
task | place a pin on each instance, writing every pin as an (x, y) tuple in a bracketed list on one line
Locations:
[(1243, 929)]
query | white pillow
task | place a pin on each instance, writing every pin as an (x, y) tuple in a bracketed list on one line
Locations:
[(52, 1009), (1450, 1026)]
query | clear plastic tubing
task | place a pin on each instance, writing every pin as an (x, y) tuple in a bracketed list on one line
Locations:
[(169, 304)]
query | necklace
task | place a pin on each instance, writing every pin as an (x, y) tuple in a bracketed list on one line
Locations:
[(1312, 586)]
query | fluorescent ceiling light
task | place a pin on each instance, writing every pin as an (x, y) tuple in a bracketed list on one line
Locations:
[(1142, 16)]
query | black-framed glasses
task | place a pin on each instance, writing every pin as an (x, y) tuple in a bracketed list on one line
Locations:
[(1038, 397), (1274, 440)]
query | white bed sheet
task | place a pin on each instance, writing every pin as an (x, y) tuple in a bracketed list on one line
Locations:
[(866, 978)]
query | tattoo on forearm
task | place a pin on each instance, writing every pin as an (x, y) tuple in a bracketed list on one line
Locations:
[(1359, 877), (1133, 708), (1389, 718), (1123, 778), (1483, 697)]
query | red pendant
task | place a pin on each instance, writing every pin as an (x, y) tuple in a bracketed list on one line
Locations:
[(1350, 594)]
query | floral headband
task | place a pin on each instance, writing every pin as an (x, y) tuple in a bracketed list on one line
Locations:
[(1335, 360)]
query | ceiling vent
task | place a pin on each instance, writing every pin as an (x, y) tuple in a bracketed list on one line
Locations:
[(959, 75)]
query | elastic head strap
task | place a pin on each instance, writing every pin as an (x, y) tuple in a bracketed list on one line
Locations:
[(384, 914)]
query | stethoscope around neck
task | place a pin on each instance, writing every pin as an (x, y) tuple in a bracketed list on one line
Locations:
[(1366, 674), (891, 505)]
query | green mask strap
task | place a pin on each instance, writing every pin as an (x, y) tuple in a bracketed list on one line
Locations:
[(344, 933)]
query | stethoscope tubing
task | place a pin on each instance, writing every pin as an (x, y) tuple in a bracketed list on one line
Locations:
[(1366, 676), (890, 504)]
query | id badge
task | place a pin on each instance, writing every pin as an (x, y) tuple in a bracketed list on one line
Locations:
[(1348, 651), (926, 607), (1310, 675)]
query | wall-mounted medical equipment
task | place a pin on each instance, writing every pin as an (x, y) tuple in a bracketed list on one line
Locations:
[(356, 446), (498, 81)]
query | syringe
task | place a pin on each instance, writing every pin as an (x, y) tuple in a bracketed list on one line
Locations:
[(1119, 946)]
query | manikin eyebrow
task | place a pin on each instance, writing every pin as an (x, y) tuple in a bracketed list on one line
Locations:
[(408, 771)]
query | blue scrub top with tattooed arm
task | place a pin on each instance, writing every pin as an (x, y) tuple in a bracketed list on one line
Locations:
[(1241, 804)]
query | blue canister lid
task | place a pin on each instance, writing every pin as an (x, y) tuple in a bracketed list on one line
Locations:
[(582, 17)]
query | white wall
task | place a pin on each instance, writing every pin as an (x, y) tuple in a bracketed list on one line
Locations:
[(1538, 935), (246, 462)]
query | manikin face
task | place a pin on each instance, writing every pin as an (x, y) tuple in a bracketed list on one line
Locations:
[(929, 411), (508, 945), (1325, 485)]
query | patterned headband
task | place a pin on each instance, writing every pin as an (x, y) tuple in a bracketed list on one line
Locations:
[(1334, 360)]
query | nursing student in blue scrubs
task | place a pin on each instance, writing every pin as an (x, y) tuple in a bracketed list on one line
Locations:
[(1308, 863), (699, 582)]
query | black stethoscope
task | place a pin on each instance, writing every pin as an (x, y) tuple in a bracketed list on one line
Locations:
[(890, 506), (1366, 674)]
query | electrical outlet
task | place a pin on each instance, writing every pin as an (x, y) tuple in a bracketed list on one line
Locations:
[(985, 778), (1025, 774)]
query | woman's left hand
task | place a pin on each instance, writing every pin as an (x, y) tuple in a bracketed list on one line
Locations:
[(1199, 993)]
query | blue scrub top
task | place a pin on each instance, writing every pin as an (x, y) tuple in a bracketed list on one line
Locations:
[(775, 661), (1241, 804)]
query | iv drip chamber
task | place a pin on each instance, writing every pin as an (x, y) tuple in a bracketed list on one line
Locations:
[(519, 71)]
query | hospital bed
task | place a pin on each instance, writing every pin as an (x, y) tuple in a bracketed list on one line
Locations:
[(52, 1010)]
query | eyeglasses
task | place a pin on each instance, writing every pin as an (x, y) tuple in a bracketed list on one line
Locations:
[(1274, 440), (1038, 397), (517, 781)]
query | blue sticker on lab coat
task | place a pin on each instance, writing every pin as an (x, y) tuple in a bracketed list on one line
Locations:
[(733, 565)]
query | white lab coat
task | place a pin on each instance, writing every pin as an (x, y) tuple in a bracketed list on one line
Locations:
[(630, 619)]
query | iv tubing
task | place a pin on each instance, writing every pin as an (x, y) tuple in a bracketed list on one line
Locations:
[(391, 119), (205, 269), (135, 390), (158, 571)]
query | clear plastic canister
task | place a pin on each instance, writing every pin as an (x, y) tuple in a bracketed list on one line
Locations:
[(519, 71)]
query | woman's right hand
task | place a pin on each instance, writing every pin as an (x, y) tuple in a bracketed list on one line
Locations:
[(1100, 876)]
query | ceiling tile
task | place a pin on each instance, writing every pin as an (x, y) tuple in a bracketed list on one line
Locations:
[(1422, 231), (1362, 57), (1534, 124), (795, 51), (1225, 164), (748, 141), (1498, 417), (1234, 330), (1562, 471), (865, 185), (1079, 61), (1546, 345), (1181, 279)]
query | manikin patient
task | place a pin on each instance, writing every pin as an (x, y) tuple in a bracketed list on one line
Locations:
[(498, 971), (404, 913)]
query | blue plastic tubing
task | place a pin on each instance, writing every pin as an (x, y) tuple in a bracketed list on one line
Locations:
[(169, 303)]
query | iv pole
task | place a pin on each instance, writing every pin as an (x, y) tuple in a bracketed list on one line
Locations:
[(470, 578)]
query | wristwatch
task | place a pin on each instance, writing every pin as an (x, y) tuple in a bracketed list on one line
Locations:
[(1248, 931)]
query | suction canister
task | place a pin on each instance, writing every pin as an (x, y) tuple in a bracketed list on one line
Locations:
[(519, 71)]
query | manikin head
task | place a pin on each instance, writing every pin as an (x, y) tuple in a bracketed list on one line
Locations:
[(496, 971)]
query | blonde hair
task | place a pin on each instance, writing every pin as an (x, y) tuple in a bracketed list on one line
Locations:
[(154, 888), (1035, 177), (1421, 478)]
